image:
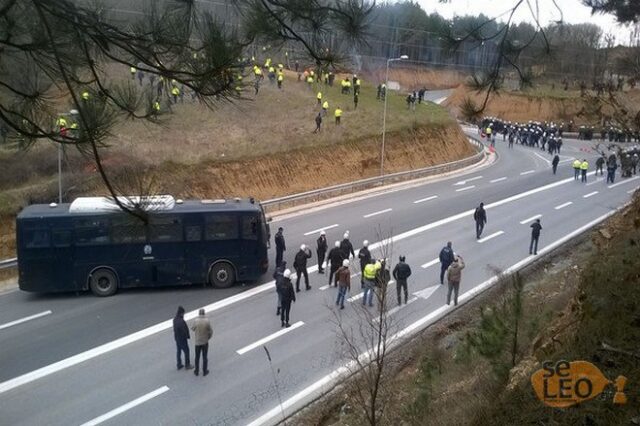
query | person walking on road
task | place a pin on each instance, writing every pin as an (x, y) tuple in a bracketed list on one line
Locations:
[(318, 123), (576, 169), (446, 259), (480, 216), (401, 273), (536, 227), (555, 162), (454, 275), (584, 166), (600, 165), (612, 165), (300, 265), (321, 250), (287, 295), (365, 258), (181, 335), (334, 258), (280, 246), (347, 247), (277, 276), (370, 273), (202, 332), (344, 282)]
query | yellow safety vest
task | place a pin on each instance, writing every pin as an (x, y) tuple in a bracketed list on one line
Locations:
[(489, 130), (584, 166), (309, 79), (133, 70), (175, 91), (74, 125), (358, 82), (319, 96), (338, 112), (85, 95), (325, 105), (280, 77), (272, 69), (370, 270), (347, 83), (344, 83), (156, 106), (577, 164), (61, 122)]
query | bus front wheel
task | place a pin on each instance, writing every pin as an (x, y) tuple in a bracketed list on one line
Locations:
[(222, 275), (103, 282)]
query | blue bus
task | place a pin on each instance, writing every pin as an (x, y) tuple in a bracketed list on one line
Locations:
[(90, 244)]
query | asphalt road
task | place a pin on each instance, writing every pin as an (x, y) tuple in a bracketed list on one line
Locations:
[(85, 356)]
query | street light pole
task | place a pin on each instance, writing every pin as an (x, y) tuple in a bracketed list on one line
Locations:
[(384, 114)]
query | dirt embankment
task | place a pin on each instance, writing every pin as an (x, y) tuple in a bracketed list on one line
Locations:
[(316, 167), (414, 78)]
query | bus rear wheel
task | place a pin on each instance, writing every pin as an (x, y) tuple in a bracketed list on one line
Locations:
[(222, 275), (103, 282)]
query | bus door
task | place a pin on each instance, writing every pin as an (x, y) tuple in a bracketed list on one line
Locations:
[(34, 255), (165, 252), (250, 246), (128, 243)]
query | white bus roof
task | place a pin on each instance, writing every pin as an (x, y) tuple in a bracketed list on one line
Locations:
[(104, 204)]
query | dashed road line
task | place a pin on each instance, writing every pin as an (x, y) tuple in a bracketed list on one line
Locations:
[(530, 219), (465, 188), (464, 182), (315, 231), (430, 263), (422, 200), (489, 237), (594, 182), (498, 180), (366, 216), (528, 172), (126, 407), (356, 297), (324, 287), (269, 338), (591, 194), (562, 206), (623, 182), (25, 319)]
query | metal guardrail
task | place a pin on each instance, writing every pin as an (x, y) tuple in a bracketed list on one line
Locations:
[(359, 185), (350, 187), (8, 263)]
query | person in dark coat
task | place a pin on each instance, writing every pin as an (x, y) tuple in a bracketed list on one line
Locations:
[(335, 258), (480, 216), (287, 295), (600, 165), (554, 163), (446, 259), (346, 246), (277, 276), (321, 249), (300, 265), (536, 227), (365, 258), (401, 273), (181, 335), (280, 246)]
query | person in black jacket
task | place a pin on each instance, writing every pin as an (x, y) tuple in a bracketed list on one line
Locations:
[(480, 216), (321, 250), (446, 259), (280, 246), (554, 163), (401, 273), (536, 227), (335, 259), (365, 258), (300, 265), (181, 335), (277, 276), (287, 295), (346, 247)]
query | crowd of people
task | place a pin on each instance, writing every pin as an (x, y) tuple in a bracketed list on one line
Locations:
[(546, 136)]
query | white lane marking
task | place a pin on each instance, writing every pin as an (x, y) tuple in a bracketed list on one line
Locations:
[(366, 216), (325, 383), (498, 180), (594, 182), (356, 297), (529, 219), (464, 182), (268, 286), (315, 231), (431, 263), (269, 338), (397, 308), (488, 237), (562, 206), (324, 287), (528, 172), (25, 319), (422, 200), (591, 194), (427, 292), (623, 182), (544, 159), (128, 406), (465, 188), (632, 191)]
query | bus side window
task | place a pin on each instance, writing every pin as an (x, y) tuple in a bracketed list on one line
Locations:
[(193, 233), (249, 228), (61, 238), (37, 238), (221, 227), (165, 230), (92, 232)]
